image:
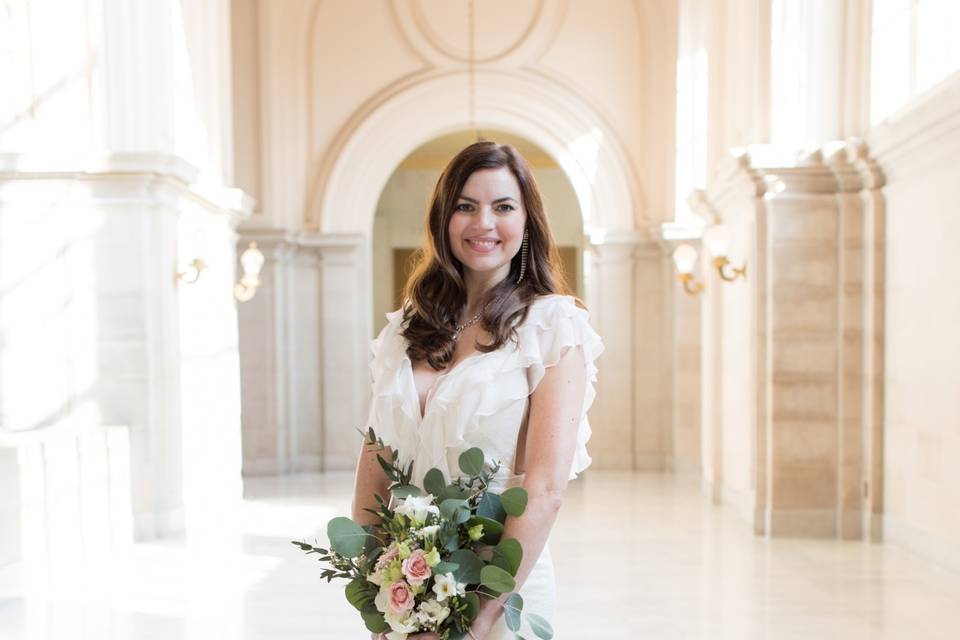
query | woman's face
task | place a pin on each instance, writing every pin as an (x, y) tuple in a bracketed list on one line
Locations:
[(486, 227)]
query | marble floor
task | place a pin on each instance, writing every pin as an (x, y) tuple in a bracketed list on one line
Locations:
[(637, 556)]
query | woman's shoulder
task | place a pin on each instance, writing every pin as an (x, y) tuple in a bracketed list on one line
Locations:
[(554, 302)]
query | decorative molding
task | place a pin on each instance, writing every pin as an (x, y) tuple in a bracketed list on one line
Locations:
[(170, 169), (428, 43), (921, 124), (354, 180)]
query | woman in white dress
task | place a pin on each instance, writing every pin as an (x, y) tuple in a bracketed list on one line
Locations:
[(488, 351)]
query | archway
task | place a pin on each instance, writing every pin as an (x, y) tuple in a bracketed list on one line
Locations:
[(346, 187)]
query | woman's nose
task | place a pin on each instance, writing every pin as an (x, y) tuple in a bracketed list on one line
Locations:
[(487, 219)]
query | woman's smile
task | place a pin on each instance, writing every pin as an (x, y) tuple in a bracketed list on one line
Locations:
[(482, 245)]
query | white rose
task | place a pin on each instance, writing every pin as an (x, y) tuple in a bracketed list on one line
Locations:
[(417, 507), (403, 623), (382, 601)]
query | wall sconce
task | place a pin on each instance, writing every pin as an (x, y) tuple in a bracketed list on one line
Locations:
[(252, 262), (717, 240), (192, 273), (685, 257)]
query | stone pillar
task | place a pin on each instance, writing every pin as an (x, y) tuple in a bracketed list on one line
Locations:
[(784, 372), (345, 334), (628, 290), (9, 505), (305, 353), (684, 325), (264, 352)]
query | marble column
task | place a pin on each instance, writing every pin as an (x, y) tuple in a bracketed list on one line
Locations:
[(628, 293), (784, 365)]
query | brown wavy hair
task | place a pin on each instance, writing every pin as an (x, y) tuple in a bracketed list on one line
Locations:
[(435, 293)]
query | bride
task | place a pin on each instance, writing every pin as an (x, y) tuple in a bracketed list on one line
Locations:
[(487, 351)]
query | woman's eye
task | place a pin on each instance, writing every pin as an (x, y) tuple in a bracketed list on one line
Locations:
[(506, 207), (462, 207)]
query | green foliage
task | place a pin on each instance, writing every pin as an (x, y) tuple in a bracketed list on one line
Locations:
[(452, 492), (492, 530), (471, 461), (373, 619), (540, 626), (359, 594), (473, 606), (445, 567), (514, 501), (507, 555), (346, 537), (449, 538), (496, 579), (512, 608), (405, 490), (489, 506), (469, 566), (433, 482), (457, 511)]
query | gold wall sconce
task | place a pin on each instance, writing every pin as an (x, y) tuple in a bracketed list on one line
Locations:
[(192, 273), (685, 258), (252, 262), (717, 241)]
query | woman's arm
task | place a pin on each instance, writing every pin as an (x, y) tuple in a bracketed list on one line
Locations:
[(370, 479), (555, 407)]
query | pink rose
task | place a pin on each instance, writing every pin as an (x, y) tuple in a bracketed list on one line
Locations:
[(416, 568), (387, 557), (401, 598)]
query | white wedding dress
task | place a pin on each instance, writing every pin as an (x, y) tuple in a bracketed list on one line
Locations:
[(481, 402)]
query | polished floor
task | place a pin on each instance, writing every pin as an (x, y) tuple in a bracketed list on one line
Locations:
[(637, 556)]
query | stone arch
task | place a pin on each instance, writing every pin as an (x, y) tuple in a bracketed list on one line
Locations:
[(345, 194)]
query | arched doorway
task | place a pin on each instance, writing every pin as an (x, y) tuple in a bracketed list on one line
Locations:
[(401, 213), (623, 267)]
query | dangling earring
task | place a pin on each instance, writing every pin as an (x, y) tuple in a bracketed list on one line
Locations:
[(523, 256)]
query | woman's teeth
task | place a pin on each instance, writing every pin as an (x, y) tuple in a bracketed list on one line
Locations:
[(483, 244)]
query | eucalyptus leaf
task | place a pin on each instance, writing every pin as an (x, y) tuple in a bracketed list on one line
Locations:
[(507, 555), (445, 567), (514, 501), (346, 537), (373, 619), (358, 594), (496, 579), (471, 461), (469, 566), (405, 491), (452, 492), (489, 506), (473, 606), (512, 608), (540, 626), (451, 540), (457, 511), (433, 482)]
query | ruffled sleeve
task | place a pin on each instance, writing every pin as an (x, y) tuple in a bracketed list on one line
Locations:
[(386, 396), (553, 324)]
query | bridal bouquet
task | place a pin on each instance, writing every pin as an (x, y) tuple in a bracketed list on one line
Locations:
[(432, 556)]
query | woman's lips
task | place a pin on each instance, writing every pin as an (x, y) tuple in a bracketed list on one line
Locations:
[(483, 246)]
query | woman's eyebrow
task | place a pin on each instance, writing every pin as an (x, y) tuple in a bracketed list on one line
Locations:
[(494, 202)]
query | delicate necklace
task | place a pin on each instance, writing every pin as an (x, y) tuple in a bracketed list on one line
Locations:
[(461, 327)]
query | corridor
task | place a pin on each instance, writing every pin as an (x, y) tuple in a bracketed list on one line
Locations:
[(659, 561)]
